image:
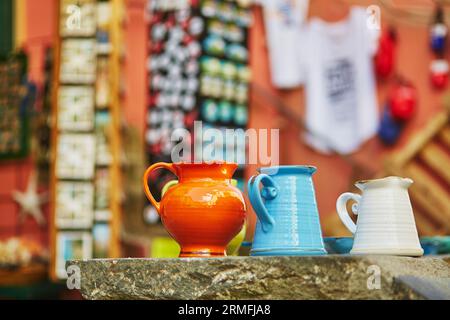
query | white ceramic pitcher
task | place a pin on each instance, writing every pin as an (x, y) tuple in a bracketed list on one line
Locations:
[(385, 222)]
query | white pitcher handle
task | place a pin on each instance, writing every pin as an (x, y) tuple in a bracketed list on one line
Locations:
[(341, 207)]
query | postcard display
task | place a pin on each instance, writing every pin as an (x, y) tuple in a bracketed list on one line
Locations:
[(84, 214), (198, 70)]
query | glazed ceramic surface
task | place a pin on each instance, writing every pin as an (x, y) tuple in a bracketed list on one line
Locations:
[(385, 222), (435, 245), (288, 220), (203, 211), (235, 244), (341, 245)]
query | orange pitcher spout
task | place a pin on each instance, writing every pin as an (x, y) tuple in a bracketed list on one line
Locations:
[(214, 170)]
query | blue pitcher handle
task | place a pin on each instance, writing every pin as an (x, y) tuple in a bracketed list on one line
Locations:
[(269, 192)]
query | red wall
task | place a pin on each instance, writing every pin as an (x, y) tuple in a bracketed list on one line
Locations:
[(334, 174), (135, 67), (40, 27)]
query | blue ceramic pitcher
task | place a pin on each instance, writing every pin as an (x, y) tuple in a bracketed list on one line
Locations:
[(288, 219)]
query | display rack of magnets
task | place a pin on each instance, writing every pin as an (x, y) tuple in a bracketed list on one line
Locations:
[(85, 171), (198, 70)]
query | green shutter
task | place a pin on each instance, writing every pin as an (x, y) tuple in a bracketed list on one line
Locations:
[(6, 27)]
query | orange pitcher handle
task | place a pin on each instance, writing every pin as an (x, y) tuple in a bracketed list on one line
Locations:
[(168, 166)]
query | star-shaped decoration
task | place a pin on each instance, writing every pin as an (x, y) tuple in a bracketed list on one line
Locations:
[(30, 201)]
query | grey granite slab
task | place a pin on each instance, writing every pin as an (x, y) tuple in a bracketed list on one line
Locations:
[(313, 277)]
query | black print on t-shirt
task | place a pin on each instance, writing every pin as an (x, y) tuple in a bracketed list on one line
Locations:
[(340, 88), (285, 12)]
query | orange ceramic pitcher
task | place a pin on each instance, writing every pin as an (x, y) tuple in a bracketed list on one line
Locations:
[(203, 212)]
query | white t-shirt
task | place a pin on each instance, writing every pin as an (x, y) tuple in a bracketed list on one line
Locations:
[(283, 20), (336, 67)]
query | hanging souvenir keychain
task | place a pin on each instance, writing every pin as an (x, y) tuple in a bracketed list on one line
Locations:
[(401, 106), (402, 100), (439, 67), (385, 57), (439, 73), (389, 129), (438, 33)]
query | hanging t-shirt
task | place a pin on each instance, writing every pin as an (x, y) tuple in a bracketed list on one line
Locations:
[(335, 65), (283, 20)]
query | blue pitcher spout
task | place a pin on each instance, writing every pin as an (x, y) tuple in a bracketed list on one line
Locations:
[(309, 170)]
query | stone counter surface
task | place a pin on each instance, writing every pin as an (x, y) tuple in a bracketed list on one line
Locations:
[(319, 277)]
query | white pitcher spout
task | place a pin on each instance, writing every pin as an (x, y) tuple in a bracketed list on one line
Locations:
[(407, 182), (361, 184), (384, 182)]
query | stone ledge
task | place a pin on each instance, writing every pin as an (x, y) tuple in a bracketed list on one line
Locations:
[(319, 277), (446, 258)]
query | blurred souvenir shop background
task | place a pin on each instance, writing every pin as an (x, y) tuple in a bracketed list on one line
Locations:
[(91, 90)]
